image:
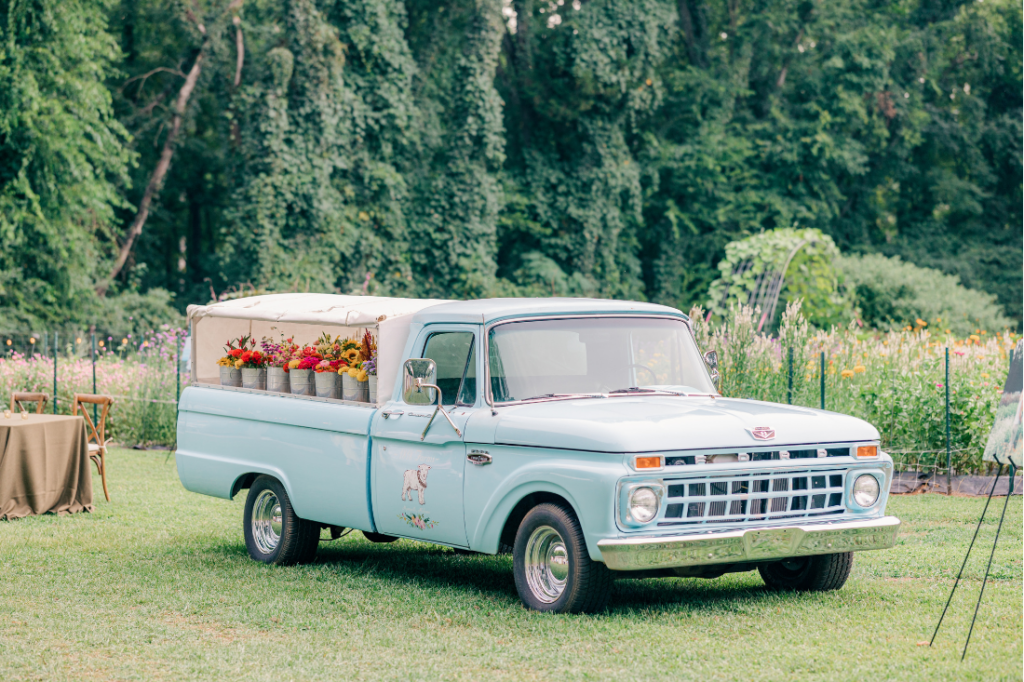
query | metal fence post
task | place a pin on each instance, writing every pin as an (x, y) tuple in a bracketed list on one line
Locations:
[(56, 352), (177, 372), (789, 381), (823, 380), (949, 450)]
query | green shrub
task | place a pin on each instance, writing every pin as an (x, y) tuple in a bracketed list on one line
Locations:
[(892, 294)]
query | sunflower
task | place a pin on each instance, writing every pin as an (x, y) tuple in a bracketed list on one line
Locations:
[(351, 355)]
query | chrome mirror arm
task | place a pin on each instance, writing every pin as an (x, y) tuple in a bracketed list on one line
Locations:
[(437, 408)]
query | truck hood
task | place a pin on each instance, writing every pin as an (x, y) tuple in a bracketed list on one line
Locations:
[(663, 423)]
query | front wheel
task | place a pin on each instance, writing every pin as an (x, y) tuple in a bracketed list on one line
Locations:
[(273, 533), (553, 571), (808, 574)]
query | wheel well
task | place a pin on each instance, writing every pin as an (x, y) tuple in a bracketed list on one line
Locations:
[(522, 508), (242, 482)]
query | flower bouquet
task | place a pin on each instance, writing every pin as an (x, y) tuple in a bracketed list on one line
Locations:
[(279, 356), (327, 379), (299, 369), (359, 357), (253, 364), (230, 370)]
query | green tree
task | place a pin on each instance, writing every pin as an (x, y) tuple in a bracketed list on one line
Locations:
[(63, 160)]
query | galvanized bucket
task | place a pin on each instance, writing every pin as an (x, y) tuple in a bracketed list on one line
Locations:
[(372, 380), (298, 381), (229, 376), (356, 391), (277, 380), (327, 384), (255, 378)]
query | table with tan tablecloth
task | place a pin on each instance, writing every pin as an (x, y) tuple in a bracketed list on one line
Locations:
[(44, 465)]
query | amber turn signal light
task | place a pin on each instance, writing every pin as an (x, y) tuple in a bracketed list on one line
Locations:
[(867, 451), (648, 462)]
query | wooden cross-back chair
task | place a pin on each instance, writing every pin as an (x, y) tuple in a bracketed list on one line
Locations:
[(40, 399), (97, 432)]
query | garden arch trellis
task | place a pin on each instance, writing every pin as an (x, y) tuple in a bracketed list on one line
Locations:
[(768, 284)]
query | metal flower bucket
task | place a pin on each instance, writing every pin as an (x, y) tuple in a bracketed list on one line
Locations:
[(327, 384), (255, 378), (356, 391), (372, 381), (277, 380), (229, 376), (299, 383)]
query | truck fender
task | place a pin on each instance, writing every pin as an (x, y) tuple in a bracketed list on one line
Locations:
[(488, 536)]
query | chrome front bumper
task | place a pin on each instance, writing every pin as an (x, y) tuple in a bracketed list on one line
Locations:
[(752, 544)]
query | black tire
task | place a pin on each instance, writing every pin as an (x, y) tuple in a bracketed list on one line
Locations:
[(277, 536), (378, 537), (808, 574), (581, 584)]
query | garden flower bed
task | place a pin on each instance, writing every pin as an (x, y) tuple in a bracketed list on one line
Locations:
[(895, 380)]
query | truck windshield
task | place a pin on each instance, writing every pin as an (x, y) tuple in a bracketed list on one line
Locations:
[(601, 355)]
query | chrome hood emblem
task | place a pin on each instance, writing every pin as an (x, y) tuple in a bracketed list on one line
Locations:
[(762, 433)]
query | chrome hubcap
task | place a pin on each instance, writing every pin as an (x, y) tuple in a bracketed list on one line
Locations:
[(547, 564), (266, 521)]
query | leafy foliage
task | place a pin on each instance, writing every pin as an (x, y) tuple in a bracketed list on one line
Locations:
[(472, 148), (892, 294), (63, 159)]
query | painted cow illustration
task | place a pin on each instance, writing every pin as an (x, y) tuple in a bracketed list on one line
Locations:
[(415, 479)]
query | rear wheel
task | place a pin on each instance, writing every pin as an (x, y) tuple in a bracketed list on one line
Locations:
[(553, 570), (273, 533), (808, 574)]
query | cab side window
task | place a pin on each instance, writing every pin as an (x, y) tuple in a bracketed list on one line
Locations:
[(454, 355)]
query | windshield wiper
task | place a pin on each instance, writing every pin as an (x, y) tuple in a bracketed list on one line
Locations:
[(635, 389), (563, 395)]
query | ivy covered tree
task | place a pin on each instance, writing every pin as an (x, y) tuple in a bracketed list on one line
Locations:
[(471, 148), (63, 160)]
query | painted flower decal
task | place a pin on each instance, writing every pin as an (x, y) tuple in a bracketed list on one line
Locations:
[(421, 521)]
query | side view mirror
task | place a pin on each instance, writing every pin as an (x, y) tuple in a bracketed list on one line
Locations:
[(419, 388), (417, 375), (711, 360)]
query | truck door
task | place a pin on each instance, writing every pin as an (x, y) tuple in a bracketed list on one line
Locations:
[(417, 480)]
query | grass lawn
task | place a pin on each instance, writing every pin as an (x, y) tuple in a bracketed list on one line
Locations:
[(158, 585)]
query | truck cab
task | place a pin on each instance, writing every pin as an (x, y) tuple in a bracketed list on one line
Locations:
[(586, 437)]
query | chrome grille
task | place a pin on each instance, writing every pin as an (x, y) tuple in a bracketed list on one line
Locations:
[(754, 496)]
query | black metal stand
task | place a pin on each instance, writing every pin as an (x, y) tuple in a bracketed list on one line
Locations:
[(1013, 471), (1009, 494)]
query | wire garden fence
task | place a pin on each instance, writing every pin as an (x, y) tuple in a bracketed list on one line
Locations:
[(931, 396), (143, 373)]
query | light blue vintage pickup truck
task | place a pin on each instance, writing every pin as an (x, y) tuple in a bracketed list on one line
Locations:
[(586, 437)]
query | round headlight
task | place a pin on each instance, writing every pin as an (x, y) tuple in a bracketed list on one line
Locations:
[(643, 504), (865, 490)]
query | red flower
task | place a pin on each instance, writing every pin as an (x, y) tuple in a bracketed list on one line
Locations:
[(237, 352), (257, 356), (246, 356)]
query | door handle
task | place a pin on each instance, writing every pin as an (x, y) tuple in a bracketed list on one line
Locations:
[(389, 413), (479, 457)]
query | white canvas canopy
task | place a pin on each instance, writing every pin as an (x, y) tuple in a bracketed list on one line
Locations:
[(304, 317)]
